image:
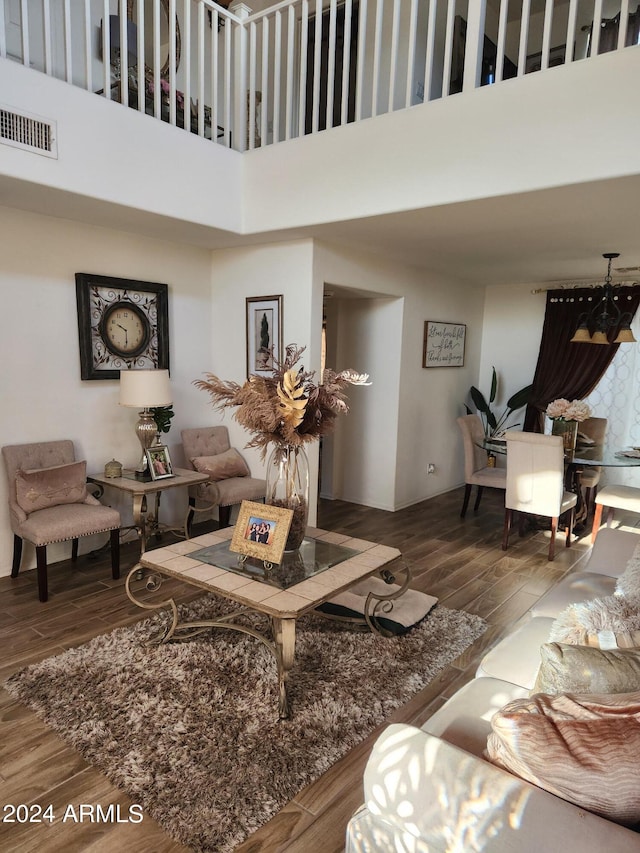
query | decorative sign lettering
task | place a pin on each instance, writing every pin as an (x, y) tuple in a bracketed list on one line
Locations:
[(443, 344)]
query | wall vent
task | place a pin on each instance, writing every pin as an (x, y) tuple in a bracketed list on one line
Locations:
[(29, 132)]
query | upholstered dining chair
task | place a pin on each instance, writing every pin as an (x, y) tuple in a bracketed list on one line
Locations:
[(476, 470), (207, 449), (535, 482), (596, 430), (49, 502)]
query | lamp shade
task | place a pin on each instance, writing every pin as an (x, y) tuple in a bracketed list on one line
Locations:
[(145, 388)]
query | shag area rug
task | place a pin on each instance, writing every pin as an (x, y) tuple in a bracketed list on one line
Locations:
[(191, 730)]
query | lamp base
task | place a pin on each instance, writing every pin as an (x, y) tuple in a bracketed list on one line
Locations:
[(146, 430)]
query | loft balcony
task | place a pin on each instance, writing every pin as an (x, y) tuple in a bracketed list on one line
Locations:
[(247, 79)]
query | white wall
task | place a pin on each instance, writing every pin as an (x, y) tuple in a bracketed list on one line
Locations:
[(43, 397), (511, 332), (413, 422), (455, 149), (327, 177), (285, 269), (119, 156)]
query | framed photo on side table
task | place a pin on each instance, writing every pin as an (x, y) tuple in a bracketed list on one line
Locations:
[(261, 531), (159, 462), (264, 333), (443, 344)]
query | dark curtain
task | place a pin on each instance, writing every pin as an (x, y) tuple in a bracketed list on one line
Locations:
[(571, 370), (609, 32)]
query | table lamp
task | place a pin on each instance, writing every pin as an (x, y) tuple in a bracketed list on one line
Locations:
[(145, 389)]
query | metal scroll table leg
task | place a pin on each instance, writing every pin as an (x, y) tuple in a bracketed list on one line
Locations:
[(284, 631), (140, 519), (376, 605)]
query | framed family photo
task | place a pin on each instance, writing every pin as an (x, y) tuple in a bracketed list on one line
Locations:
[(159, 462), (261, 531), (264, 333)]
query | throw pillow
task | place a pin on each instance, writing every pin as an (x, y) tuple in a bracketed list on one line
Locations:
[(41, 488), (583, 669), (609, 622), (581, 748), (222, 466)]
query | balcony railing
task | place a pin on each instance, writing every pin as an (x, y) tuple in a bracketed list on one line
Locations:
[(247, 79)]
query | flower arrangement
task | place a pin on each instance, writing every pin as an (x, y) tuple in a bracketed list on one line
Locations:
[(564, 410), (287, 409)]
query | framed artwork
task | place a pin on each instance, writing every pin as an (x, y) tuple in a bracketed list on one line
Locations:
[(443, 344), (159, 462), (261, 531), (264, 333), (123, 324)]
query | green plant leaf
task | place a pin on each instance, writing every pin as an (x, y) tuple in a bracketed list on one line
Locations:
[(520, 398), (479, 400), (494, 385)]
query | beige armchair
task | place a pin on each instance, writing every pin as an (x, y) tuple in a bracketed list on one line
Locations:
[(207, 450), (49, 502), (476, 471), (535, 482)]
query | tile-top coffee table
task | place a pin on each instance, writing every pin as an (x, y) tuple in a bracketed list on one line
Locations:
[(326, 564)]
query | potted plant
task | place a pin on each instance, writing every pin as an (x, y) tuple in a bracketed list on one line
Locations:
[(494, 425), (162, 415)]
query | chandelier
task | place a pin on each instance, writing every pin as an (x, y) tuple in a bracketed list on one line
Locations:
[(605, 315)]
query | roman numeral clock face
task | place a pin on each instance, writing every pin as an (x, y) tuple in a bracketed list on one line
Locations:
[(123, 324)]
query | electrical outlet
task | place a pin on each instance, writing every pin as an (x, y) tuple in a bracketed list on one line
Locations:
[(431, 468)]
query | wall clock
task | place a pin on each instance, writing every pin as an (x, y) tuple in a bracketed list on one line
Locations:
[(123, 324)]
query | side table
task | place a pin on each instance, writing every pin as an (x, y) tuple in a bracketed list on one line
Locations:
[(145, 522)]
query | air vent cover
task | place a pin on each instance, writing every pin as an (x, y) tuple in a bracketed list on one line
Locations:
[(29, 132)]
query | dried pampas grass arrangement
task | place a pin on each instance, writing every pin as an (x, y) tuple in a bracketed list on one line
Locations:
[(288, 408)]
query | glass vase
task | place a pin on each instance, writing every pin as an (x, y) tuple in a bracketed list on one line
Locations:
[(568, 430), (288, 487)]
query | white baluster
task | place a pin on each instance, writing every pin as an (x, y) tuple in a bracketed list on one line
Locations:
[(291, 22)]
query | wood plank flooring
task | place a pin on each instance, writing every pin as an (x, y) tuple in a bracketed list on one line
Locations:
[(459, 561)]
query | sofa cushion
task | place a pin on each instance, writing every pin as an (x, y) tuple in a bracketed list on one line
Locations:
[(578, 586), (610, 622), (582, 669), (222, 466), (611, 551), (465, 719), (41, 488), (516, 658), (581, 748)]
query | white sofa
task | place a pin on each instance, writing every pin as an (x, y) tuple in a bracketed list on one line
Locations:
[(429, 789)]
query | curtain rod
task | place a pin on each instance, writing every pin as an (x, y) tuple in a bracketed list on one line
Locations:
[(572, 286)]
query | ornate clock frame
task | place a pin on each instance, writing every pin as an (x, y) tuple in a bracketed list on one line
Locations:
[(97, 296)]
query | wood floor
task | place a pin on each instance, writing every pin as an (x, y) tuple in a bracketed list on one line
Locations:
[(459, 561)]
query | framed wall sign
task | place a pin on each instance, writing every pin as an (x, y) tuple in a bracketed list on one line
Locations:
[(443, 344), (122, 324), (261, 531), (264, 333)]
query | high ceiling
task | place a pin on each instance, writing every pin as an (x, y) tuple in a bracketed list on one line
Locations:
[(554, 235)]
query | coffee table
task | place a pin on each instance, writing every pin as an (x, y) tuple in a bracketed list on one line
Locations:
[(327, 563)]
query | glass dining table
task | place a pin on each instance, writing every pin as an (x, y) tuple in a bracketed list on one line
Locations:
[(584, 456)]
